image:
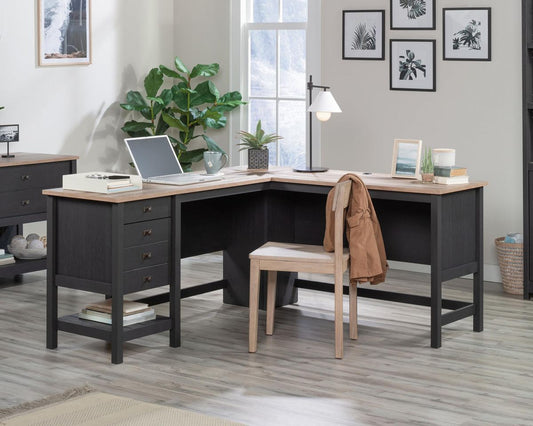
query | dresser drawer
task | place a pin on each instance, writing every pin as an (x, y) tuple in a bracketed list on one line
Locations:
[(145, 278), (151, 231), (43, 176), (146, 255), (20, 203), (138, 211)]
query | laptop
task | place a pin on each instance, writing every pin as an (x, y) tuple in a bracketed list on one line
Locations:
[(156, 162)]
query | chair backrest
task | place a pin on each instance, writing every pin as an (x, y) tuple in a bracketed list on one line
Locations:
[(340, 202)]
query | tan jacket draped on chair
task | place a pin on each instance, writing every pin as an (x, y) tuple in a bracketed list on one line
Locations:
[(368, 261)]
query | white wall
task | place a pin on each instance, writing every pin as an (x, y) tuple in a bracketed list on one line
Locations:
[(476, 109), (75, 109)]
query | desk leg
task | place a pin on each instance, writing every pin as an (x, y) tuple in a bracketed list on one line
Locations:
[(175, 276), (436, 272), (117, 283), (478, 276), (51, 288)]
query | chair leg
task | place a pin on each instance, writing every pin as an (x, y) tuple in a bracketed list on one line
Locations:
[(254, 305), (338, 316), (271, 301), (353, 311)]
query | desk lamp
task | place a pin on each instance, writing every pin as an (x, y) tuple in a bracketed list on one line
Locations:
[(324, 104)]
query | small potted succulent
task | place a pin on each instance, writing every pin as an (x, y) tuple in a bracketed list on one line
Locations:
[(256, 146), (426, 168)]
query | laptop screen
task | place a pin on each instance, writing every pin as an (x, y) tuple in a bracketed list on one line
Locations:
[(153, 156)]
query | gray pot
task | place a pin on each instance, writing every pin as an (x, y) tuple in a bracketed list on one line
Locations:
[(258, 158)]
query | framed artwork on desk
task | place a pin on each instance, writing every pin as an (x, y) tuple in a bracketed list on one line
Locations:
[(64, 32), (406, 158)]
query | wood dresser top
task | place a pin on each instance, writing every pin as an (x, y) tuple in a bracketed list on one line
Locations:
[(24, 158), (239, 176)]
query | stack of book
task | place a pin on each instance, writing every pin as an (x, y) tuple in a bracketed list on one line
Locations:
[(6, 258), (133, 312), (449, 175), (102, 182)]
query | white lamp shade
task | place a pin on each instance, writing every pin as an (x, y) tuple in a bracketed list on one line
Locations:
[(324, 102)]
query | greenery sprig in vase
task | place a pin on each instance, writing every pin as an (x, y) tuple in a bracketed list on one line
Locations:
[(256, 144), (187, 107), (426, 168)]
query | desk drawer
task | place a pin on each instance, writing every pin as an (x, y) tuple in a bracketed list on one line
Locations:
[(43, 176), (145, 278), (20, 203), (150, 231), (154, 208), (146, 255)]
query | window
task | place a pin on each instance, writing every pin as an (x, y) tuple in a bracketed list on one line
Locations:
[(276, 34)]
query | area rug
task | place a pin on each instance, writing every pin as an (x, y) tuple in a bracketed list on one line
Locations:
[(83, 406)]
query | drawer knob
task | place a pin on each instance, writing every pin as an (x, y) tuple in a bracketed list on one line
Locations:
[(147, 279), (25, 202), (25, 177), (147, 255), (147, 232), (147, 209)]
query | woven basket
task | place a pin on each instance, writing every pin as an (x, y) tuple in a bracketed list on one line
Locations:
[(511, 261)]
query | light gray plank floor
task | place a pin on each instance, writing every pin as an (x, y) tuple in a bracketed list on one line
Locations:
[(389, 376)]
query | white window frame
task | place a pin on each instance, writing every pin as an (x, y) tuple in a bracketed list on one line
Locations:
[(240, 69)]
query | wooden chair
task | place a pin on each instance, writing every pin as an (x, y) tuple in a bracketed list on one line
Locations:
[(274, 257)]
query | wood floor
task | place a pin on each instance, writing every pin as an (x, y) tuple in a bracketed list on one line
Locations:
[(389, 376)]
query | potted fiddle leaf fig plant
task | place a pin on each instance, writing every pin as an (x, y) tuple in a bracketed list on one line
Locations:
[(188, 107), (256, 146), (426, 167)]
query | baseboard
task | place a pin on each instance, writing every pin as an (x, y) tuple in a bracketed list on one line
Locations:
[(490, 272)]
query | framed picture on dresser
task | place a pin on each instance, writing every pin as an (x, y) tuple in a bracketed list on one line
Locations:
[(406, 158), (363, 34)]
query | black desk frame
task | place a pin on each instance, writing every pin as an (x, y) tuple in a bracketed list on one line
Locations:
[(443, 231)]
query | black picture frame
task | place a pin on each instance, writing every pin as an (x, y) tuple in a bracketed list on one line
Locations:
[(408, 18), (417, 80), (462, 38), (358, 20), (9, 133)]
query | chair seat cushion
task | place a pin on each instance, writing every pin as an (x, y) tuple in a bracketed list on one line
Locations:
[(295, 252)]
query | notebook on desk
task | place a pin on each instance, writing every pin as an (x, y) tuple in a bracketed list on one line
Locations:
[(156, 162)]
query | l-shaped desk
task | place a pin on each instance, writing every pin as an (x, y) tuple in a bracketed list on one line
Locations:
[(132, 241)]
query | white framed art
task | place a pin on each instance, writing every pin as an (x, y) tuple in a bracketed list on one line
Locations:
[(406, 158)]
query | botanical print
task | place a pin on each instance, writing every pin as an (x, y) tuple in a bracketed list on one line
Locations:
[(412, 14), (409, 67), (64, 32), (412, 65), (363, 34), (466, 34), (414, 8), (364, 38)]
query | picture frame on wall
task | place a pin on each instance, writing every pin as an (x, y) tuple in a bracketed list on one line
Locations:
[(413, 65), (466, 34), (64, 28), (406, 157), (412, 14), (363, 34)]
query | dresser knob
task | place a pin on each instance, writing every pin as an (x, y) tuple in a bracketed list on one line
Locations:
[(25, 177), (147, 232), (25, 202), (147, 279), (148, 209), (147, 255)]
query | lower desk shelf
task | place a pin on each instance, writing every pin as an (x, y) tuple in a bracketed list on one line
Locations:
[(98, 330), (22, 266)]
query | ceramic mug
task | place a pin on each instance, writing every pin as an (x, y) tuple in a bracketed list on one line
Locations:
[(214, 161)]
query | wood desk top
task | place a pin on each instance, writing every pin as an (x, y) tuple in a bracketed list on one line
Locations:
[(24, 158), (239, 176)]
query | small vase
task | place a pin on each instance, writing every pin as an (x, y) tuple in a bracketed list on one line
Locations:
[(258, 159), (427, 177)]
